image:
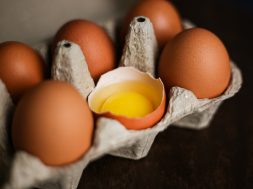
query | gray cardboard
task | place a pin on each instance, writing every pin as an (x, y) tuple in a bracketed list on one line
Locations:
[(110, 137)]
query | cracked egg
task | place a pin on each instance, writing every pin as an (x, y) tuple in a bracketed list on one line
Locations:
[(134, 98)]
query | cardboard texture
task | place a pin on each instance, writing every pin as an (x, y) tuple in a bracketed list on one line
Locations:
[(110, 137)]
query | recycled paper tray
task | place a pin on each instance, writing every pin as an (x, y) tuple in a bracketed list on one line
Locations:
[(22, 170)]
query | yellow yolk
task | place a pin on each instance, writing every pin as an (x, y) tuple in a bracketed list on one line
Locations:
[(128, 103)]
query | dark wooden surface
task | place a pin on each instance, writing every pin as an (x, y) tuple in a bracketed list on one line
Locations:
[(219, 157)]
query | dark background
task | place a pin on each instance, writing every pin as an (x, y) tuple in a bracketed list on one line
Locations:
[(220, 156)]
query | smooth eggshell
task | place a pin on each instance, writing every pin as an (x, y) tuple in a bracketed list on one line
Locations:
[(21, 68), (196, 60), (53, 122), (163, 15), (95, 43)]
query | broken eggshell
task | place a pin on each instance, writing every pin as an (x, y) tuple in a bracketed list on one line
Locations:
[(115, 81)]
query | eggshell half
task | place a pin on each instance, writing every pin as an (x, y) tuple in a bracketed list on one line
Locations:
[(121, 75)]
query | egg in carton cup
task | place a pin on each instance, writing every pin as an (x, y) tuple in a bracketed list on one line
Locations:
[(110, 136)]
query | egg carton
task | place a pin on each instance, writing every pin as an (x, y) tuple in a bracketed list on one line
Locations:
[(23, 170)]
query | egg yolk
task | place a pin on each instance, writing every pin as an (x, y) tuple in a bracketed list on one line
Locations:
[(128, 103)]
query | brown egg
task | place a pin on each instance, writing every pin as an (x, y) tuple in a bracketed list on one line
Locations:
[(53, 122), (196, 60), (96, 45), (162, 14), (20, 68)]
